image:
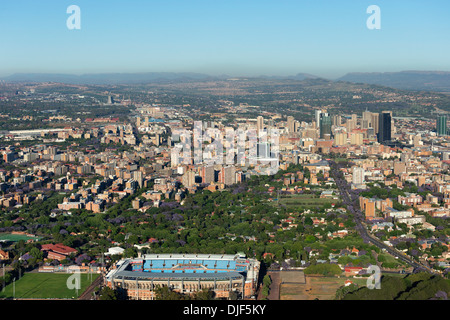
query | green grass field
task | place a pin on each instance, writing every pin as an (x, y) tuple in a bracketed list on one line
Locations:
[(16, 237), (305, 201), (46, 286)]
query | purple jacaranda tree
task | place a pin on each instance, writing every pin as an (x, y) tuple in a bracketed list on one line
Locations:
[(82, 258), (26, 257)]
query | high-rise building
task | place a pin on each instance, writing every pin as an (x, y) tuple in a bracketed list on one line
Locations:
[(227, 175), (350, 125), (263, 150), (375, 120), (336, 120), (324, 125), (441, 126), (208, 174), (340, 138), (259, 123), (366, 120), (384, 127), (358, 175), (317, 114), (292, 124), (188, 178)]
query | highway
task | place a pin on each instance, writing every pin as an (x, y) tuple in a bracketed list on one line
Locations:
[(358, 217)]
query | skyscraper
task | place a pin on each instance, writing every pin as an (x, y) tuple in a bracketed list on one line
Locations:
[(317, 114), (292, 124), (259, 123), (384, 127), (441, 126), (325, 125), (375, 121)]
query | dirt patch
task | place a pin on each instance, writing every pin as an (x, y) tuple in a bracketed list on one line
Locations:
[(274, 289), (322, 288)]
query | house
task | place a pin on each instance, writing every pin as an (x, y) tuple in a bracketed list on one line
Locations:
[(115, 250), (57, 251), (348, 283), (352, 271), (4, 255)]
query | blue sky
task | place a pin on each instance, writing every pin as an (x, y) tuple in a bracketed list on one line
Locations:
[(266, 37)]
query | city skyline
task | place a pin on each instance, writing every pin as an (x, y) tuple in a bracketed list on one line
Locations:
[(325, 39)]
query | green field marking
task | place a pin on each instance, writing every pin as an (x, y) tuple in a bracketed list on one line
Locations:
[(46, 286), (16, 237)]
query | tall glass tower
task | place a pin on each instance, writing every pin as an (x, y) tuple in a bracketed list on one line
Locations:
[(441, 126), (384, 127)]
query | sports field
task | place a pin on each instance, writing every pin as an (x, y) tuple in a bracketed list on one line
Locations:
[(46, 286), (15, 237), (301, 287), (304, 201)]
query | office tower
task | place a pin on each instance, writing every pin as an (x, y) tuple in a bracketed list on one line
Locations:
[(340, 138), (441, 126), (384, 127), (375, 119), (356, 138), (138, 176), (188, 178), (227, 175), (366, 120), (290, 124), (263, 150), (337, 120), (259, 123), (208, 174), (325, 125), (350, 125), (317, 117)]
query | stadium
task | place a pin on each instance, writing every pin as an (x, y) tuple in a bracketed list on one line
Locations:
[(185, 273)]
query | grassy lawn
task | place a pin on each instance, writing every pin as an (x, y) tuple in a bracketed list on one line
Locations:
[(46, 286), (15, 237), (387, 258), (305, 201)]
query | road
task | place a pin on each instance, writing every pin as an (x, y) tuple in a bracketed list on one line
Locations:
[(358, 217)]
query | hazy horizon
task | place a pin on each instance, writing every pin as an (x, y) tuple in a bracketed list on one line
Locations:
[(3, 76)]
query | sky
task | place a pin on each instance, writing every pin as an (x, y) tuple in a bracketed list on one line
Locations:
[(327, 38)]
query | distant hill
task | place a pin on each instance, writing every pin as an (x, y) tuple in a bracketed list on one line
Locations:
[(438, 81), (107, 78), (298, 77), (133, 78)]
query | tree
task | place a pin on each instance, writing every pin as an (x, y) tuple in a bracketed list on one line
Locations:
[(204, 294), (108, 294), (165, 293)]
